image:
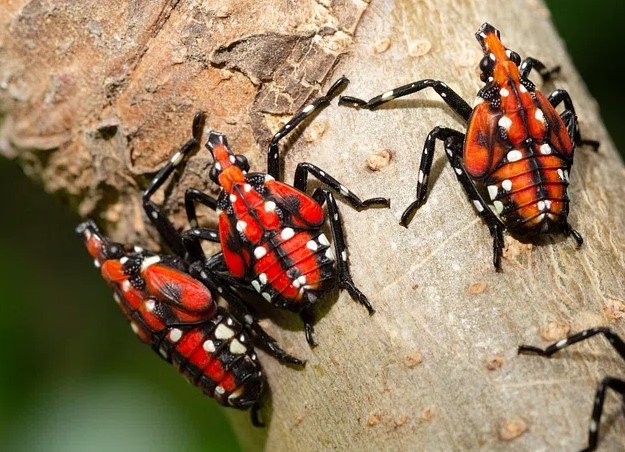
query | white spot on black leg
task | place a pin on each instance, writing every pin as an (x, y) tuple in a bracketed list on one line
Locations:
[(387, 95), (154, 214), (248, 319), (344, 255), (561, 343), (96, 263), (134, 327), (421, 176), (478, 205), (308, 109), (458, 170), (336, 217), (163, 352), (177, 157), (344, 191), (443, 95), (593, 426)]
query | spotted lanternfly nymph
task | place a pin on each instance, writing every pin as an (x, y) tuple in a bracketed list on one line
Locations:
[(517, 150), (616, 384), (169, 303), (271, 232)]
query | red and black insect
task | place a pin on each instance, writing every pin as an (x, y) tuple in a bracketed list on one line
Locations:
[(271, 232), (616, 384), (169, 303), (517, 148)]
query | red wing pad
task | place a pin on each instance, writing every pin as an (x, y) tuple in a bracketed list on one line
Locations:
[(237, 254), (558, 136), (303, 211), (483, 149)]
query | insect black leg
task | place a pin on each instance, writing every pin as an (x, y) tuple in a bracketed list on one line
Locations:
[(338, 238), (608, 382), (427, 157), (531, 63), (570, 118), (301, 183), (568, 230), (273, 159), (255, 415), (448, 95), (156, 217), (193, 196), (453, 150), (617, 385), (610, 335), (239, 309), (308, 317)]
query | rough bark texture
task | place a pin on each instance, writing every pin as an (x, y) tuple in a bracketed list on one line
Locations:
[(96, 96)]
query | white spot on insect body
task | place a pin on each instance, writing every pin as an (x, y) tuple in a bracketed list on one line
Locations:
[(387, 95), (154, 214), (498, 206), (223, 332), (505, 122), (163, 352), (548, 203), (478, 100), (561, 343), (503, 92), (262, 278), (492, 56), (219, 390), (149, 261), (134, 327), (266, 296), (308, 109), (229, 321), (593, 426), (508, 53), (232, 159), (209, 346), (126, 285), (247, 187), (336, 217), (218, 166), (344, 255), (237, 348), (545, 149), (241, 225), (255, 285), (270, 206), (421, 176), (560, 173), (96, 263), (478, 205), (123, 260), (507, 185), (443, 95), (323, 240), (458, 170), (522, 88), (565, 173), (116, 298), (539, 115), (330, 254), (492, 191), (259, 252), (541, 205), (514, 155), (268, 178), (311, 245), (248, 319), (150, 305), (175, 335), (301, 280), (232, 198), (235, 395), (287, 233)]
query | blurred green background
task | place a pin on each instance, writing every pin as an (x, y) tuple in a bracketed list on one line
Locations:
[(73, 377)]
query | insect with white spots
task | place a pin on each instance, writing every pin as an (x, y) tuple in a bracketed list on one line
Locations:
[(271, 232), (169, 303), (517, 150), (616, 384)]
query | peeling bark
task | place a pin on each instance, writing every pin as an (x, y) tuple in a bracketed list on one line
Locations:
[(95, 97)]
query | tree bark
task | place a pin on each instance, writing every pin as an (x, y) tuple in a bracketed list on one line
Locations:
[(95, 97)]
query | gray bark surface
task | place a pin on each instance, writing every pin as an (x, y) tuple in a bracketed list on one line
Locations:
[(96, 97)]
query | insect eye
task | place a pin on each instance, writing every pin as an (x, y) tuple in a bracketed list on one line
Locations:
[(486, 66), (241, 162), (515, 58)]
